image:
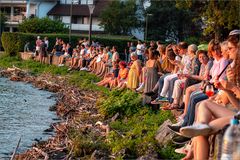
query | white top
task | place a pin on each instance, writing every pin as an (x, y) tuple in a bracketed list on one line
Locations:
[(140, 49)]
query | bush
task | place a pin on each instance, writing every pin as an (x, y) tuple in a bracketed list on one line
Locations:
[(18, 40), (42, 25), (10, 43), (126, 103)]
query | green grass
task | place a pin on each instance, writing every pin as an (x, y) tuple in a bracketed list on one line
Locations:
[(133, 131)]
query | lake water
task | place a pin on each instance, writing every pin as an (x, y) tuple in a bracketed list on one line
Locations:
[(23, 113)]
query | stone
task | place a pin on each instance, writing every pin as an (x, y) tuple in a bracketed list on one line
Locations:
[(164, 134)]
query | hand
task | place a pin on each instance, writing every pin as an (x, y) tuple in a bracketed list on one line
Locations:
[(236, 91), (177, 62), (160, 73), (218, 85), (187, 75), (230, 74)]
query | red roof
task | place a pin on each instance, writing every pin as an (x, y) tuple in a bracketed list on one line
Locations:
[(77, 9)]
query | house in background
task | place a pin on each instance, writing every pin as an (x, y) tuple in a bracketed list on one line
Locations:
[(18, 10), (76, 13), (15, 12)]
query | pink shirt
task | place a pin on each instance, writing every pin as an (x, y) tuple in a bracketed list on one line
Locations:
[(217, 68)]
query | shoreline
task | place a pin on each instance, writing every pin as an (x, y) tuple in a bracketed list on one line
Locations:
[(70, 104)]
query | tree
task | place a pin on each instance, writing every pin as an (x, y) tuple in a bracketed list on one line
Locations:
[(3, 20), (218, 17), (43, 25), (119, 17), (170, 23)]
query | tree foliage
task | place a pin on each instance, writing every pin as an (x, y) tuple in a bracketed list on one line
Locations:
[(119, 17), (42, 25), (219, 17), (169, 22), (3, 20)]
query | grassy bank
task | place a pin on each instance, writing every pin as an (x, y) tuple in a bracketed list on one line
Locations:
[(131, 135)]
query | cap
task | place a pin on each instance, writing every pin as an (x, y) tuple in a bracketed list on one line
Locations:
[(38, 37), (234, 32)]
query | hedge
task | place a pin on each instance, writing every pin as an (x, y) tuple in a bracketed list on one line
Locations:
[(14, 42)]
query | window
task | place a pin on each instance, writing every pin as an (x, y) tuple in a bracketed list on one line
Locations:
[(77, 20), (18, 11), (6, 10), (57, 18)]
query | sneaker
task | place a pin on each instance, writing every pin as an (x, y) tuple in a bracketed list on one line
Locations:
[(83, 69), (140, 88), (180, 139), (184, 149), (195, 130), (175, 129), (179, 123)]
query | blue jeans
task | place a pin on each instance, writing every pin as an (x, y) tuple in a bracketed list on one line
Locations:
[(59, 54), (194, 99)]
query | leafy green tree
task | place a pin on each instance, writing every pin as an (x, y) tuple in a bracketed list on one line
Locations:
[(119, 17), (169, 23), (3, 20), (218, 17), (43, 25)]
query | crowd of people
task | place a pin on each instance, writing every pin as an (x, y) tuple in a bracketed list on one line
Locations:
[(204, 85)]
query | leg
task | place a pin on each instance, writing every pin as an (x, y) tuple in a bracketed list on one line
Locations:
[(189, 91), (202, 148), (166, 84), (209, 109)]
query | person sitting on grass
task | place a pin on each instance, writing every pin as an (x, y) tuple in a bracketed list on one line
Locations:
[(110, 79), (134, 72), (122, 75), (67, 54)]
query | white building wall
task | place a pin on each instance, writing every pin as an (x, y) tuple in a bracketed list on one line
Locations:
[(66, 19), (85, 27)]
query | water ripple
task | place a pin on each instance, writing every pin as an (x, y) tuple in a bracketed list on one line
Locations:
[(23, 112)]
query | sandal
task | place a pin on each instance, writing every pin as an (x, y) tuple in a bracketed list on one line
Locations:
[(171, 107), (156, 101)]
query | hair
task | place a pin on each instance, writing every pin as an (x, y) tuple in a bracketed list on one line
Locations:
[(213, 46), (202, 52), (193, 48), (170, 54), (224, 44), (162, 49), (234, 39), (133, 54), (123, 63), (236, 69), (152, 53), (183, 45)]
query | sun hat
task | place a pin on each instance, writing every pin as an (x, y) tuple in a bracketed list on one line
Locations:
[(234, 32)]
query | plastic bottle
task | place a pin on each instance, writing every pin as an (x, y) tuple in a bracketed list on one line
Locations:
[(236, 143), (228, 140)]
